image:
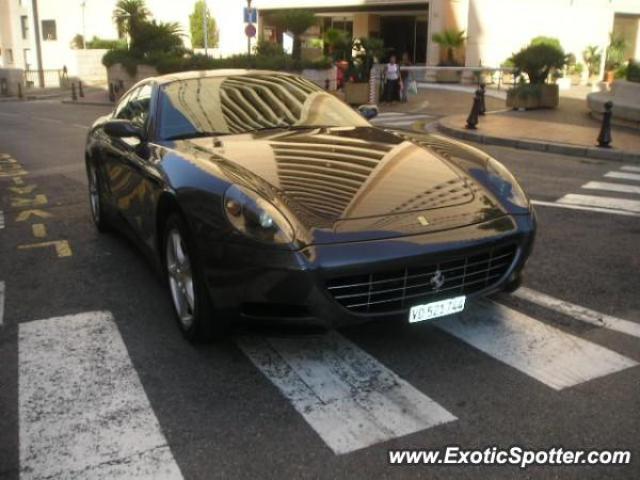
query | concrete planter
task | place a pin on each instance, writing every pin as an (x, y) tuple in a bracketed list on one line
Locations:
[(531, 97), (356, 93), (122, 81), (325, 79), (448, 76)]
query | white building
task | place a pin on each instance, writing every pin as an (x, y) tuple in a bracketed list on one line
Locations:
[(495, 28)]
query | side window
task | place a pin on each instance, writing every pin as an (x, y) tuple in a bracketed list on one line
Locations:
[(122, 110), (135, 107), (140, 105)]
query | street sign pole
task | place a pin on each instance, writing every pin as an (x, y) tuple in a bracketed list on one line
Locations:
[(205, 28), (248, 37)]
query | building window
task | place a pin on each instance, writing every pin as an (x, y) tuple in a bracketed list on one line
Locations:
[(24, 24), (49, 30)]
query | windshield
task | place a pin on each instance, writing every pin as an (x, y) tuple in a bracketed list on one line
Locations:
[(246, 103)]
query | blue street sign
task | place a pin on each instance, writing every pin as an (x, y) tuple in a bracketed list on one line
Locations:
[(250, 15)]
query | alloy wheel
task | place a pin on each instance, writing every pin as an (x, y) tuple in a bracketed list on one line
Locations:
[(180, 278)]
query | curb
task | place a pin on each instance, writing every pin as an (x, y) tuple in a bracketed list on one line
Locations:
[(539, 146), (91, 104)]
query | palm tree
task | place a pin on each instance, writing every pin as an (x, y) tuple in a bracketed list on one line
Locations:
[(592, 58), (451, 40), (297, 22), (129, 15)]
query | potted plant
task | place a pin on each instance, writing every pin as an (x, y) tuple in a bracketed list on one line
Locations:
[(450, 41), (367, 50), (615, 56), (542, 57)]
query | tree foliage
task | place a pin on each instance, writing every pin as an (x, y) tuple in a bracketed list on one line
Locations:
[(538, 59), (196, 25), (451, 40), (592, 57), (129, 15), (297, 22)]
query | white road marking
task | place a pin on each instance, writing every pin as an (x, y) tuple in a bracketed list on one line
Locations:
[(83, 410), (630, 169), (1, 219), (545, 353), (612, 187), (623, 175), (350, 399), (611, 203), (2, 290), (579, 207), (578, 312)]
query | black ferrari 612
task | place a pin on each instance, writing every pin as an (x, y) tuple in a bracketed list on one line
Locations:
[(260, 196)]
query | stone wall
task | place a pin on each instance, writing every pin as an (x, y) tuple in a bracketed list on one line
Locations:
[(119, 77), (10, 78)]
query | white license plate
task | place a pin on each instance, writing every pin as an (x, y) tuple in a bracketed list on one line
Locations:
[(420, 313)]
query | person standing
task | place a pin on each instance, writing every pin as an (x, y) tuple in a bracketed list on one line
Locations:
[(405, 76), (392, 81)]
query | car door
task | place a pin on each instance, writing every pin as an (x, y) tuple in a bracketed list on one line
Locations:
[(133, 180)]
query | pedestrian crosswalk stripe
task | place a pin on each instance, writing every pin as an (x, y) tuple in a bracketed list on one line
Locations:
[(545, 353), (542, 203), (623, 175), (622, 204), (83, 412), (1, 219), (579, 313), (630, 169), (612, 187), (349, 399)]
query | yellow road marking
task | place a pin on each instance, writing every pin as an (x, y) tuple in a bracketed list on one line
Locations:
[(24, 215), (63, 249), (23, 190), (15, 171), (36, 201), (18, 180), (39, 230)]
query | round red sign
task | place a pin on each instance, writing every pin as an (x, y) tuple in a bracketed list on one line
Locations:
[(250, 30)]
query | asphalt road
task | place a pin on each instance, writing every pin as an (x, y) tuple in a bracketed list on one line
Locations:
[(540, 378)]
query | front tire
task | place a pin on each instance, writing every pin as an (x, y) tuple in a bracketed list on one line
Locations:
[(191, 302), (96, 203)]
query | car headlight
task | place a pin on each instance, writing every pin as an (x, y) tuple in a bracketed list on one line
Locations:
[(506, 184), (255, 217)]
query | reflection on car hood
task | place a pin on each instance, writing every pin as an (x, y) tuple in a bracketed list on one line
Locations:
[(352, 179)]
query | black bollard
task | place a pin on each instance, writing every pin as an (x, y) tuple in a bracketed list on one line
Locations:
[(604, 138), (472, 119), (80, 90), (483, 107), (327, 84), (74, 96), (112, 93), (20, 96)]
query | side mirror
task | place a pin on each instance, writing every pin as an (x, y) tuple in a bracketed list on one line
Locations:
[(368, 111), (122, 129)]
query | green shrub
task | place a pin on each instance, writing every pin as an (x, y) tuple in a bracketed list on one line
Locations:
[(104, 43), (633, 72), (538, 59), (269, 49), (123, 56)]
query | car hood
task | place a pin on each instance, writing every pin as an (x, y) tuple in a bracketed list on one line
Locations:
[(339, 183)]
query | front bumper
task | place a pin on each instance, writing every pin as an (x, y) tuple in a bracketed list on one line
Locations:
[(291, 286)]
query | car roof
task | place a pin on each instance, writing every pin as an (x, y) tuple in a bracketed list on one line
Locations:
[(226, 72)]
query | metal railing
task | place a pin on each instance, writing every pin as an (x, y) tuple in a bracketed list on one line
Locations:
[(52, 78)]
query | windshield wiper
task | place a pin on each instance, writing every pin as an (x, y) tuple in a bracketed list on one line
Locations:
[(186, 136), (288, 127)]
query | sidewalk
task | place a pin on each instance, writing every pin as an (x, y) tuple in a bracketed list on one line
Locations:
[(93, 96), (567, 130)]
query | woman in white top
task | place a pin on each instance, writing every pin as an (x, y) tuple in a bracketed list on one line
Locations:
[(392, 81)]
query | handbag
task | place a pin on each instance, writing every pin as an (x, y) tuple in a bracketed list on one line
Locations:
[(412, 88)]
